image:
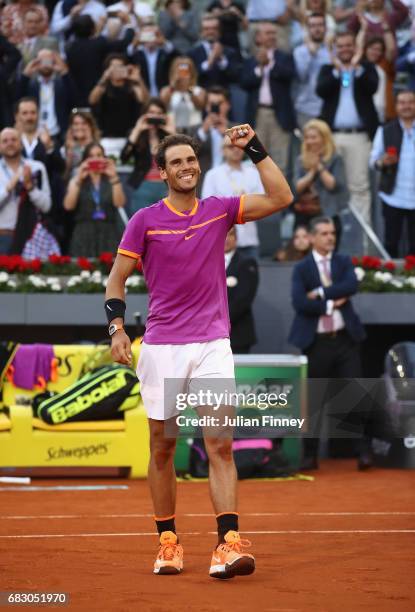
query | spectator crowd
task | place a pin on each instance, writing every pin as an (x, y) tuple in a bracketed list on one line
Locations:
[(89, 88)]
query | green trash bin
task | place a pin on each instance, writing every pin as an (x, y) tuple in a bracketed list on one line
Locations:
[(267, 372), (287, 372)]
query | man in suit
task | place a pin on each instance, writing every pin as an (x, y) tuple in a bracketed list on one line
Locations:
[(38, 145), (326, 327), (242, 283), (215, 64), (47, 79), (153, 56), (347, 87), (269, 76), (35, 40), (212, 131), (9, 58)]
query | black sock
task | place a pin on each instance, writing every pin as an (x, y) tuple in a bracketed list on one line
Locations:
[(227, 521), (165, 524)]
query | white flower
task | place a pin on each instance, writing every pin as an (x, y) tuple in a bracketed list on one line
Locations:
[(85, 274), (52, 280), (104, 281), (360, 273), (12, 283), (410, 281), (231, 281), (383, 277), (56, 287), (133, 281), (4, 277), (96, 275), (36, 281), (397, 283), (74, 280)]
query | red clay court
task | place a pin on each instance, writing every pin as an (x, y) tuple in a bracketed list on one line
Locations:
[(344, 542)]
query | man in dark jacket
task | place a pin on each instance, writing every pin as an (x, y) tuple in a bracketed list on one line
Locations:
[(9, 59), (242, 283), (347, 90), (268, 77), (153, 56), (39, 145), (47, 79), (216, 65), (326, 327)]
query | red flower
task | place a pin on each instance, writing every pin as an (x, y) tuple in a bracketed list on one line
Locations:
[(371, 263), (84, 263), (106, 258), (65, 259), (14, 263), (389, 265), (54, 259), (355, 261)]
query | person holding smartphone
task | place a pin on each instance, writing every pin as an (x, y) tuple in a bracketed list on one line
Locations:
[(183, 97), (118, 96), (94, 194), (142, 145)]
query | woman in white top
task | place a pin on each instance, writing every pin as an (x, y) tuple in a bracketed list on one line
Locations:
[(184, 99)]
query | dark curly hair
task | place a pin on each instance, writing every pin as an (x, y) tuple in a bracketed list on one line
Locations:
[(172, 141)]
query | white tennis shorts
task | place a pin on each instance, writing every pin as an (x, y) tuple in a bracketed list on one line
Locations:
[(167, 370)]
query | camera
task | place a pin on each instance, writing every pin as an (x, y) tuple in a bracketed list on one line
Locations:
[(97, 165), (215, 108), (120, 72), (156, 121), (147, 37)]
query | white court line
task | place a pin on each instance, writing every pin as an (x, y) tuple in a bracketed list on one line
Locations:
[(96, 516), (148, 533)]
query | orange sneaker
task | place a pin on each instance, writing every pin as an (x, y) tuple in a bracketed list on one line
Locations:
[(170, 556), (228, 560)]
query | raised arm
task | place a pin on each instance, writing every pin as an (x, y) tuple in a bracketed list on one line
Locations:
[(277, 191)]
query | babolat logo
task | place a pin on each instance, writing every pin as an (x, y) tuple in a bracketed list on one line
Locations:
[(78, 452), (61, 413)]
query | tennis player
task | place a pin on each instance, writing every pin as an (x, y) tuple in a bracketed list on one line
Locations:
[(180, 241)]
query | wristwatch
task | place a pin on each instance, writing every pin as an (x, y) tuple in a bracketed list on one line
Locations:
[(113, 328)]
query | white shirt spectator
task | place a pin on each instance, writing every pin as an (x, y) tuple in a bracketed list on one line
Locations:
[(9, 202), (229, 181)]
